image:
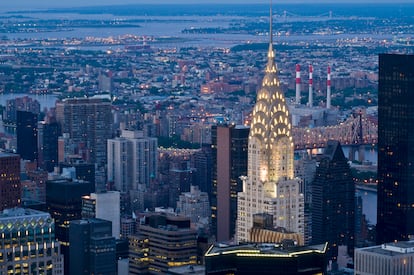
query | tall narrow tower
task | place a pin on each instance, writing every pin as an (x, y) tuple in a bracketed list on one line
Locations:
[(328, 89), (310, 100), (297, 100), (270, 186)]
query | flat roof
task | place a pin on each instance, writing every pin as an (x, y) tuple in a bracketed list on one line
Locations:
[(264, 249)]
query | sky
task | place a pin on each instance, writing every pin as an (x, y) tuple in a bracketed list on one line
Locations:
[(44, 4)]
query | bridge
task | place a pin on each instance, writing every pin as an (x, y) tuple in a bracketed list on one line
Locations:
[(356, 131)]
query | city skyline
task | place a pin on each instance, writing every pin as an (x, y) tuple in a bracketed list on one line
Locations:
[(46, 4)]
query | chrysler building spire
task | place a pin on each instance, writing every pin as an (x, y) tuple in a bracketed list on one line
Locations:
[(270, 186)]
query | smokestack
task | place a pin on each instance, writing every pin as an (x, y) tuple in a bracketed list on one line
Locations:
[(310, 101), (297, 84), (328, 89)]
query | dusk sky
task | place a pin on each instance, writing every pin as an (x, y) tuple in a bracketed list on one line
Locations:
[(42, 4)]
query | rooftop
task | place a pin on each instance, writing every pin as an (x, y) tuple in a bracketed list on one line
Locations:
[(391, 249), (263, 249)]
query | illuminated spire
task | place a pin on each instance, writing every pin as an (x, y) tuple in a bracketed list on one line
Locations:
[(271, 125)]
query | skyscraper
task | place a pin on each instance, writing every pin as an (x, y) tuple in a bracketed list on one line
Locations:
[(64, 203), (26, 131), (270, 186), (10, 187), (132, 160), (229, 152), (48, 134), (395, 216), (88, 122), (333, 201)]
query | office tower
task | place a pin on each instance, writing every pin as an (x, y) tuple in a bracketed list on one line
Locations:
[(64, 203), (48, 133), (333, 201), (259, 258), (270, 186), (34, 187), (10, 189), (27, 244), (92, 247), (132, 160), (105, 206), (229, 155), (88, 122), (395, 214), (163, 241), (26, 130), (196, 206), (386, 259)]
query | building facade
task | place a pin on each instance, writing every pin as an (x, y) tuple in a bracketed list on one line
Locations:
[(132, 160), (163, 241), (395, 216), (385, 259), (26, 130), (229, 151), (105, 206), (88, 122), (28, 244), (92, 248), (10, 186), (333, 201)]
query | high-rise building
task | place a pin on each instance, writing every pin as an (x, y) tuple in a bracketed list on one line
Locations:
[(92, 247), (333, 201), (270, 186), (64, 203), (163, 241), (105, 206), (48, 134), (132, 160), (229, 154), (26, 130), (10, 188), (88, 122), (395, 216), (28, 244)]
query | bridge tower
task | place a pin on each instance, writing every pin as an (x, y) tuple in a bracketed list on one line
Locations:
[(358, 139)]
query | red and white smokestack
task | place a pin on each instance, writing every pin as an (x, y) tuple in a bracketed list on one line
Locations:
[(297, 101), (310, 101), (328, 89)]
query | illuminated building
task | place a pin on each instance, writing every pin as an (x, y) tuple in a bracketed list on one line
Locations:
[(265, 259), (395, 213), (92, 248), (386, 259), (270, 186), (163, 241), (48, 145), (333, 201), (229, 152), (10, 187), (27, 243)]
